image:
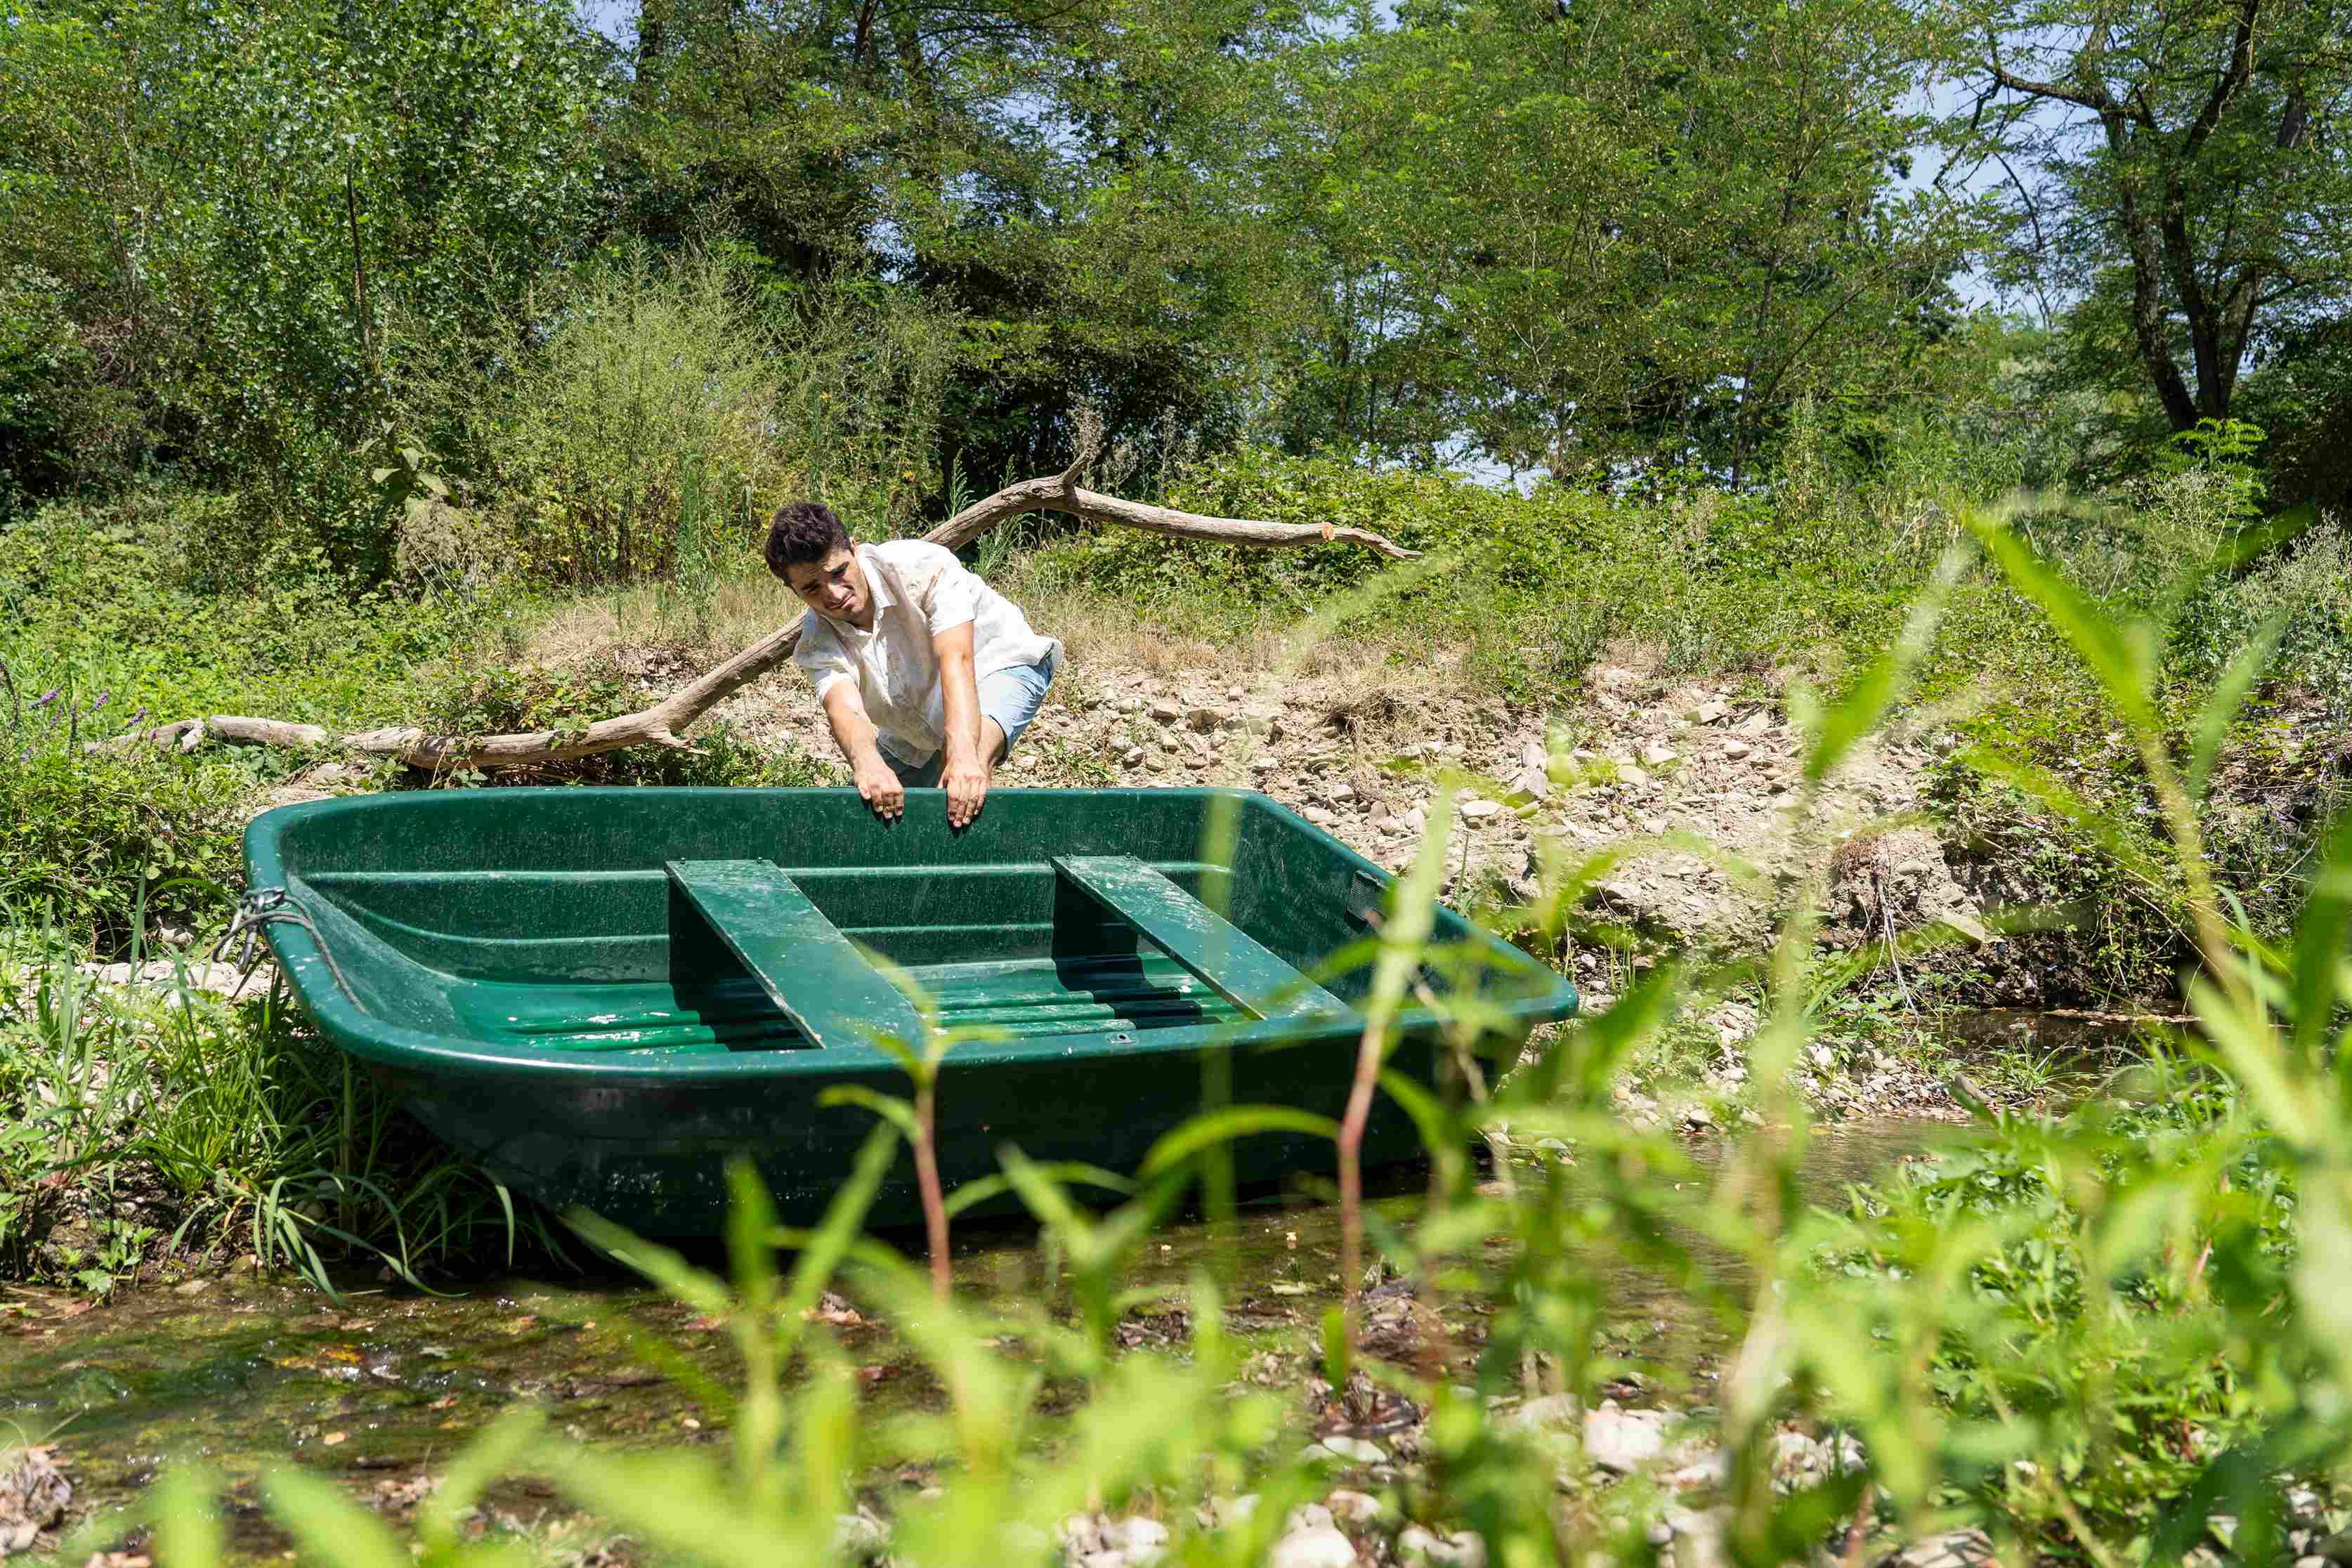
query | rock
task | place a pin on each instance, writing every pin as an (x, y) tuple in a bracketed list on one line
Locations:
[(1132, 756), (1316, 815), (1698, 1116), (1659, 756), (174, 975), (1627, 773), (1416, 820), (1204, 720), (1356, 1507), (1222, 1512), (1262, 764), (1709, 1468), (1098, 1540), (1479, 810), (1345, 1450), (1622, 1441), (1710, 713), (1533, 784), (1551, 1411), (861, 1537), (1235, 694), (1388, 826), (1799, 1461), (1165, 713), (1462, 1549), (1738, 750), (1698, 1537), (1318, 1546), (1953, 1549), (1343, 792), (1755, 723), (33, 1497)]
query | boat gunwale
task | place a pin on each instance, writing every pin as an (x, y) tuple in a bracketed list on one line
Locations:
[(399, 1046)]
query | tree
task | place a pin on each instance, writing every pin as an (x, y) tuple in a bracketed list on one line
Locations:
[(2189, 164), (1609, 232)]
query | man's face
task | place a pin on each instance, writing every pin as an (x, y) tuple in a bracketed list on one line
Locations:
[(833, 587)]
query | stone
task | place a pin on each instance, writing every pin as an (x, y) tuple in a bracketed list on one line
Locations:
[(1356, 1507), (1622, 1441), (1165, 713), (1755, 723), (1418, 1545), (1235, 694), (1532, 755), (1479, 810), (1262, 764), (1347, 1450), (1953, 1549), (1319, 1546), (1416, 820), (1627, 773), (1222, 1512), (1738, 750), (1341, 792), (1204, 720), (860, 1537), (1710, 713), (1533, 784), (1659, 756), (176, 975), (1550, 1412), (1316, 815), (33, 1497), (1388, 826)]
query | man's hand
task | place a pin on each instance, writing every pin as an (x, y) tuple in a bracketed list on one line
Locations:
[(966, 782), (880, 788)]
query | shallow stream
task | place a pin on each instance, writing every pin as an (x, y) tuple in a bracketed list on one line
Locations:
[(380, 1389)]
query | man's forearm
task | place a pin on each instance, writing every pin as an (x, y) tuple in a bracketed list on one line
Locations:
[(959, 694), (853, 733)]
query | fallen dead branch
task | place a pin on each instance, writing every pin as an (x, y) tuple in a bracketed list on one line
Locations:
[(665, 723)]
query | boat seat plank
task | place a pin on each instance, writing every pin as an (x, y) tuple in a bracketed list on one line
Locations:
[(799, 957), (1239, 967)]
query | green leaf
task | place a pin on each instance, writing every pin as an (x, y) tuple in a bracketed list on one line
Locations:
[(1227, 1126), (328, 1526)]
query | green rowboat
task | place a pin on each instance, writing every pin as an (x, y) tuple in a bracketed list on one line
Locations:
[(603, 995)]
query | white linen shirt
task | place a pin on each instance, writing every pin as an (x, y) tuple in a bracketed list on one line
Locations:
[(920, 590)]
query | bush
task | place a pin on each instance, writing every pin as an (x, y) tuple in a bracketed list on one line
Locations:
[(93, 838), (630, 385)]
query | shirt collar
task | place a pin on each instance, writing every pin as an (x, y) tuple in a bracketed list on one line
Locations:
[(877, 582)]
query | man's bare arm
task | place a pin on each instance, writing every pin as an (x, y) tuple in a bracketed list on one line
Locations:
[(965, 776), (855, 733)]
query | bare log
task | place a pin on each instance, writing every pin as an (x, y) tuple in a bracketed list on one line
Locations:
[(664, 723)]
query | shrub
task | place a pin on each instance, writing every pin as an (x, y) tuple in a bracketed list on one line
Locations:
[(630, 383), (94, 838)]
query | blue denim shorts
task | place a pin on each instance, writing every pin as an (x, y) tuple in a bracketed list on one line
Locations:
[(1011, 697)]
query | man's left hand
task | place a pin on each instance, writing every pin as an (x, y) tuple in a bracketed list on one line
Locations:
[(965, 779)]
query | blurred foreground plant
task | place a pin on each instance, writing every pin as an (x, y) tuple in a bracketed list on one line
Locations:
[(2114, 1337)]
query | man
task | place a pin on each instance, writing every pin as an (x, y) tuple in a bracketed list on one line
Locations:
[(926, 674)]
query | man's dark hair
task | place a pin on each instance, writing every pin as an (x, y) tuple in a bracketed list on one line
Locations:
[(802, 534)]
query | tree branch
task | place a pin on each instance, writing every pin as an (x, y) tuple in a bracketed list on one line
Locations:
[(663, 724)]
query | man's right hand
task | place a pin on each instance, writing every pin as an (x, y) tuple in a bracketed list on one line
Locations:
[(880, 788)]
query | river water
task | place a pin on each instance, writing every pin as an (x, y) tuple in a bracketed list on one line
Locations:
[(379, 1387)]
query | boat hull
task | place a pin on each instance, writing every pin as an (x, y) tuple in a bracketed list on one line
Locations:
[(531, 972)]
